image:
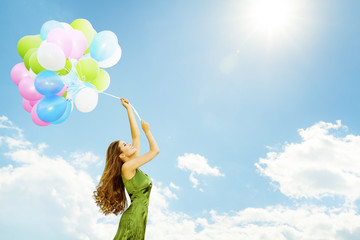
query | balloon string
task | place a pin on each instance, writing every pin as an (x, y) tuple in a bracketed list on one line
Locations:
[(110, 95), (120, 98), (135, 112)]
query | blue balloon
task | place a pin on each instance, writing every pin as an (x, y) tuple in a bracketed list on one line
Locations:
[(51, 108), (66, 113), (47, 27), (48, 83), (103, 45)]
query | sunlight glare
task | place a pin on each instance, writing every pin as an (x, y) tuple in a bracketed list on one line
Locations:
[(271, 17)]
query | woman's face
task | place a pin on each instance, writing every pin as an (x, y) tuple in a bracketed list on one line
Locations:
[(127, 149)]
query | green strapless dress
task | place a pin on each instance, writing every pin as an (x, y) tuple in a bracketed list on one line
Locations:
[(133, 221)]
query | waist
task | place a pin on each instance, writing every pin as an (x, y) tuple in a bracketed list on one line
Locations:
[(139, 205)]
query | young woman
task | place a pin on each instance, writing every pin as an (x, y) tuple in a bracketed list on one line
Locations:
[(122, 171)]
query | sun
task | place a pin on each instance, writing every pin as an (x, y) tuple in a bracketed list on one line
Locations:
[(272, 17)]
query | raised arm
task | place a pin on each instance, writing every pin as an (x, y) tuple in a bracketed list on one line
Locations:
[(135, 133), (134, 163)]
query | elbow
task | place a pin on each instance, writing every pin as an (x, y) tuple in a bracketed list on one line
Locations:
[(136, 136)]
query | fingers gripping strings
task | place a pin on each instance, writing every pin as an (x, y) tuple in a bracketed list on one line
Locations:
[(119, 98)]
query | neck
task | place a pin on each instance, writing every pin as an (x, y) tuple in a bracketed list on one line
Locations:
[(125, 159)]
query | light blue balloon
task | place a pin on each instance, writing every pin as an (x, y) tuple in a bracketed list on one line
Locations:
[(48, 26), (103, 45), (66, 113), (51, 108), (48, 83)]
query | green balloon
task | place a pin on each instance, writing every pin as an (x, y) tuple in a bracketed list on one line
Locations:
[(102, 81), (27, 57), (87, 69), (86, 28), (35, 65), (66, 69), (26, 43), (87, 51)]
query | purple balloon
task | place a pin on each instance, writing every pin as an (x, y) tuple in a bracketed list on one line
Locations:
[(19, 72), (27, 89)]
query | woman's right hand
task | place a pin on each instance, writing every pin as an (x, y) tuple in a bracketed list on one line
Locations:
[(145, 126), (125, 102)]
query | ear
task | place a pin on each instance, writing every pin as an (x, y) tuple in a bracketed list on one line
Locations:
[(122, 156)]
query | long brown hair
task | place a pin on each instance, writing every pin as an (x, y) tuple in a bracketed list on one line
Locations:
[(110, 192)]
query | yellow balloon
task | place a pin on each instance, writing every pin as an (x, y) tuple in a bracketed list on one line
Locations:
[(87, 69), (35, 65), (102, 81), (27, 57), (66, 69), (26, 43)]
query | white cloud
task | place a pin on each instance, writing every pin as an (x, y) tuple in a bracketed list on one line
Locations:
[(48, 198), (172, 185), (17, 139), (84, 159), (323, 164), (197, 164), (308, 222), (163, 191)]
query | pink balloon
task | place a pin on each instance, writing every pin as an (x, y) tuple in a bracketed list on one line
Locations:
[(62, 38), (27, 106), (36, 118), (27, 89), (62, 90), (32, 103), (78, 44), (19, 72)]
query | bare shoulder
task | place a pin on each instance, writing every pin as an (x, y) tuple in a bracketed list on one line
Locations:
[(127, 172)]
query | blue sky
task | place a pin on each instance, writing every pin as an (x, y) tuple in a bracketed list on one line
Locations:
[(214, 87)]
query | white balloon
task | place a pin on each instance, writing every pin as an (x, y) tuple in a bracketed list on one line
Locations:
[(111, 61), (66, 26), (51, 56), (86, 100)]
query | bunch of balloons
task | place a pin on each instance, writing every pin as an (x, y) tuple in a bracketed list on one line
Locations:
[(63, 67)]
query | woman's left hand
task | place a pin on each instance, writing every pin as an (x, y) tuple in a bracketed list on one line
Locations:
[(125, 102)]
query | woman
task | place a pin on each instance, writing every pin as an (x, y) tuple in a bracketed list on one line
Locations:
[(122, 170)]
